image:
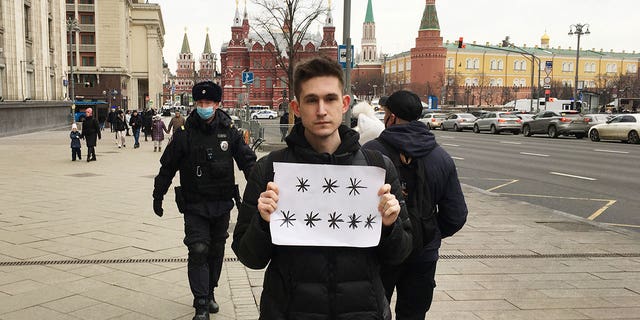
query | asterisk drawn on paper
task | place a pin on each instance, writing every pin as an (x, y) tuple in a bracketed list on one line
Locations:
[(334, 218), (370, 220), (303, 185), (329, 186), (353, 221), (288, 218), (311, 219), (355, 185)]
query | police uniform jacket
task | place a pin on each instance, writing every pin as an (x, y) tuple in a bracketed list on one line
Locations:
[(204, 154), (306, 282)]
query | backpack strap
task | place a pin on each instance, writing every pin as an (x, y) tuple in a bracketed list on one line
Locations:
[(275, 156), (370, 157)]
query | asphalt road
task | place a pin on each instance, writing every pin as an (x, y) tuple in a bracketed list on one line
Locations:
[(595, 180)]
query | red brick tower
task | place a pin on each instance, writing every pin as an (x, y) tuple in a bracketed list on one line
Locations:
[(428, 57)]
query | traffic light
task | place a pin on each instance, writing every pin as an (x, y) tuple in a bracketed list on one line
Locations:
[(460, 45)]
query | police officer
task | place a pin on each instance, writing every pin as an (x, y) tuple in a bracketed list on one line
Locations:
[(204, 151)]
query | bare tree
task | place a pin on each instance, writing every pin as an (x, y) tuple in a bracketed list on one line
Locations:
[(285, 24)]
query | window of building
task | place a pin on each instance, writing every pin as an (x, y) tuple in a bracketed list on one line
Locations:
[(88, 59), (87, 38), (27, 21), (86, 2), (567, 83), (269, 83), (88, 80), (493, 65), (87, 18), (70, 1), (500, 65), (1, 83), (256, 82), (632, 68), (612, 67), (476, 63), (408, 65), (492, 82), (469, 64), (450, 63), (499, 82)]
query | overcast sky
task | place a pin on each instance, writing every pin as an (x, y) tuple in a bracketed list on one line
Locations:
[(613, 24)]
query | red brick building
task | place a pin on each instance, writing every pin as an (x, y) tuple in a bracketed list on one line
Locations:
[(429, 55), (247, 52)]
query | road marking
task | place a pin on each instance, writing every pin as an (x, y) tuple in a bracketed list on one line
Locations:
[(610, 151), (510, 142), (450, 145), (457, 158), (572, 176), (503, 185), (596, 214), (534, 154), (601, 210)]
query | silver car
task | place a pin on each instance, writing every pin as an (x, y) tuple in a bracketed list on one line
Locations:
[(458, 121), (496, 122), (433, 120), (624, 127)]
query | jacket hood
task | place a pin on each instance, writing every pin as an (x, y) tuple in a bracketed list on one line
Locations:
[(195, 121), (349, 145), (413, 138)]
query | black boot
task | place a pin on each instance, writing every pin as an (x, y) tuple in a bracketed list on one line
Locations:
[(213, 306), (201, 315)]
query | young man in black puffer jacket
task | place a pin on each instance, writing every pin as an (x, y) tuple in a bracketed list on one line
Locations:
[(319, 282)]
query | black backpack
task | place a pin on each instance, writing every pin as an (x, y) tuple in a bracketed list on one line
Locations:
[(422, 211)]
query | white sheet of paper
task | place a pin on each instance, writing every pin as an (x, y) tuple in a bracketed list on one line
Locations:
[(327, 205)]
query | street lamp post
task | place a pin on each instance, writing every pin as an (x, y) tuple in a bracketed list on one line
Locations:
[(515, 103), (72, 26), (384, 74), (578, 29)]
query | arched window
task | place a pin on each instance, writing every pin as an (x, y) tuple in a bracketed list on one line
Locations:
[(499, 82), (493, 65), (450, 63), (500, 65), (492, 82), (469, 64)]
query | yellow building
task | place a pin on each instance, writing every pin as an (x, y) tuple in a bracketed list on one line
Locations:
[(508, 71)]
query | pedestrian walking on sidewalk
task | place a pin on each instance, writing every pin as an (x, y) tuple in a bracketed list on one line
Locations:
[(176, 123), (136, 123), (158, 129), (204, 153), (147, 121), (91, 131), (284, 125), (428, 175), (319, 282), (119, 127), (76, 147)]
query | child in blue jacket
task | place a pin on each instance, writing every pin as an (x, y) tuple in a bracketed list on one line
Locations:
[(75, 142)]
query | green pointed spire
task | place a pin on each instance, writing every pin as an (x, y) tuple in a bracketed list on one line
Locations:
[(430, 18), (207, 45), (369, 17), (185, 44)]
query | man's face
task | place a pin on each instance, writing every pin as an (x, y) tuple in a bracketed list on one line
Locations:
[(320, 106), (389, 117), (177, 114)]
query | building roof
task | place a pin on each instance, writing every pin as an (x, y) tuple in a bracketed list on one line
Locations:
[(430, 18), (207, 45), (369, 16), (185, 44), (539, 52)]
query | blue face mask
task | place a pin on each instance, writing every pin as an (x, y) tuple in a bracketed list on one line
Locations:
[(205, 113)]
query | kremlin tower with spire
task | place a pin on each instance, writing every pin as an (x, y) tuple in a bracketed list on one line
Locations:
[(429, 55)]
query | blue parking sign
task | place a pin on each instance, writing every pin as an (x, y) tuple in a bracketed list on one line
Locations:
[(247, 77)]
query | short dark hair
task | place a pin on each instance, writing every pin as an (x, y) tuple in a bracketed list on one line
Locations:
[(316, 67)]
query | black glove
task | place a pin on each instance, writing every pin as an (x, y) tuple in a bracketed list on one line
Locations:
[(157, 207)]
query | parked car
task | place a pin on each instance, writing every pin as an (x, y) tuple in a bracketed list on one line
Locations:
[(524, 116), (458, 121), (264, 114), (433, 120), (496, 122), (555, 124), (624, 127)]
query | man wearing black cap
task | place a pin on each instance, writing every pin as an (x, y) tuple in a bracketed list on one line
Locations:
[(423, 166), (204, 152)]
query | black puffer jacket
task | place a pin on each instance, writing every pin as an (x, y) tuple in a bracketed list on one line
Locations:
[(415, 140), (304, 282)]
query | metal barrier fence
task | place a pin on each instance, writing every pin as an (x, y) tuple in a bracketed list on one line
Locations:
[(269, 135)]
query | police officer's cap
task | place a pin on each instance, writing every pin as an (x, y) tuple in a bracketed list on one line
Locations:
[(207, 90)]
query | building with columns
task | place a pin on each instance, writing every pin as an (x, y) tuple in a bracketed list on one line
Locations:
[(247, 51), (105, 66)]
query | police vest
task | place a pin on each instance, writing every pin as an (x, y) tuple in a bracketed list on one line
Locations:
[(208, 172)]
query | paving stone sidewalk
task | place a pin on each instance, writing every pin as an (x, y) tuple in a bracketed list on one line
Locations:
[(79, 240)]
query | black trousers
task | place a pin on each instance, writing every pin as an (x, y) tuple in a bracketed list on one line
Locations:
[(74, 152), (414, 282), (206, 223), (91, 153)]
